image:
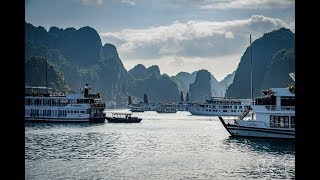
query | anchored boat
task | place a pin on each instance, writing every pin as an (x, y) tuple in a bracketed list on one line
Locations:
[(122, 117), (43, 105)]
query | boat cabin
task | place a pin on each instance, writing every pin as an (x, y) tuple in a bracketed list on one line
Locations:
[(122, 115), (277, 99)]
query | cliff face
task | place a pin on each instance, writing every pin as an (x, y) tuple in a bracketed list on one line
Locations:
[(183, 80), (200, 89), (277, 73), (158, 88), (79, 55), (223, 84), (35, 75), (263, 51), (141, 72), (81, 47)]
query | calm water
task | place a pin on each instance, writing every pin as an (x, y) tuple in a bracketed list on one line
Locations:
[(161, 146)]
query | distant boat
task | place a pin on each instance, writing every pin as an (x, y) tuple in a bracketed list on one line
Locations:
[(122, 117), (167, 108), (219, 107), (138, 107), (183, 106)]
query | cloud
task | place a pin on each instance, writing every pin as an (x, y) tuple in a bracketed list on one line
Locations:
[(292, 26), (129, 2), (229, 35), (249, 4), (191, 39), (91, 2)]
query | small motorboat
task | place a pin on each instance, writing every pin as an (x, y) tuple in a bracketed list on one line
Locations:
[(122, 117)]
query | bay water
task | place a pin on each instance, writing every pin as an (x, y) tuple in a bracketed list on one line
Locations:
[(162, 146)]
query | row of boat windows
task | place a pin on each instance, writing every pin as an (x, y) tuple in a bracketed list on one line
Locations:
[(56, 102), (224, 102), (37, 112), (285, 101), (282, 121), (221, 107), (213, 110)]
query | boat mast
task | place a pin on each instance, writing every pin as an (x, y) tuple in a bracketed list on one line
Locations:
[(251, 70), (47, 76)]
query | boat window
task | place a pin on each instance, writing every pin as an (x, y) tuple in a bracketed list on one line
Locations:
[(288, 101), (279, 121), (292, 121)]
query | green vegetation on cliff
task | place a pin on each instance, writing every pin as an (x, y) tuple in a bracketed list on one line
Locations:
[(263, 52), (36, 71)]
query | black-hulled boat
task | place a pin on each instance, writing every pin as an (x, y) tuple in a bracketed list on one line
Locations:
[(122, 117)]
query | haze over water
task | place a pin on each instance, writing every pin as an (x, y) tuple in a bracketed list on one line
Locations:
[(161, 146)]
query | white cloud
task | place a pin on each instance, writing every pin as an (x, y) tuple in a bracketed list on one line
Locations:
[(229, 35), (249, 4), (129, 2), (292, 26), (191, 39), (211, 45), (91, 2)]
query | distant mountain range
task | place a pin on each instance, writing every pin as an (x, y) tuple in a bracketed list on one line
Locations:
[(78, 57), (218, 89)]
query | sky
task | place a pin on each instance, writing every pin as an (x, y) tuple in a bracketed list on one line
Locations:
[(176, 35)]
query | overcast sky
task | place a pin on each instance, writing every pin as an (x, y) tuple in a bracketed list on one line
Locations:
[(176, 35)]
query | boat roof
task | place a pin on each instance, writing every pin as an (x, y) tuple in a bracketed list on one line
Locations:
[(75, 96), (282, 92), (121, 113)]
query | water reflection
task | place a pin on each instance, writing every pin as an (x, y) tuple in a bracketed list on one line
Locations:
[(260, 145), (48, 125)]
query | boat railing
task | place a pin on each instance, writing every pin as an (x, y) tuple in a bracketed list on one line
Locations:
[(244, 113), (271, 107), (92, 95), (282, 108), (288, 108), (98, 105)]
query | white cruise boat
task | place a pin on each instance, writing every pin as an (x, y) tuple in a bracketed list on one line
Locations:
[(219, 107), (272, 116), (137, 107), (42, 105), (167, 108)]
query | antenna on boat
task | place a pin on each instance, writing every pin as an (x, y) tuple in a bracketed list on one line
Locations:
[(47, 76), (251, 70), (225, 94)]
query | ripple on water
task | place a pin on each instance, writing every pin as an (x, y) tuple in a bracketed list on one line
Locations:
[(162, 146)]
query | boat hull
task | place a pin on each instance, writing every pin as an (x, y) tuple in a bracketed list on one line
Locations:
[(40, 119), (242, 131), (207, 113), (123, 120), (132, 110), (166, 111)]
